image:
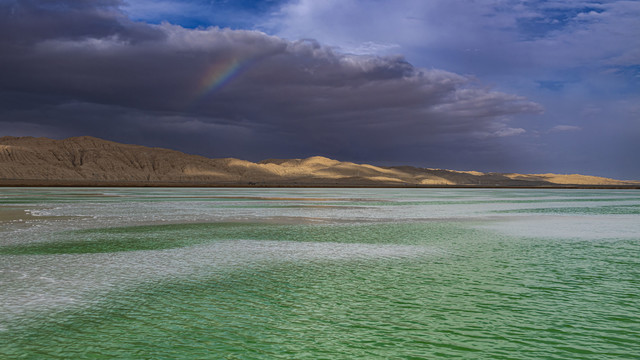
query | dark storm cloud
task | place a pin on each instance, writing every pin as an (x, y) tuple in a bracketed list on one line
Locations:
[(83, 68), (25, 22)]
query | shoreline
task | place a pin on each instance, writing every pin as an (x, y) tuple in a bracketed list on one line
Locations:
[(167, 184)]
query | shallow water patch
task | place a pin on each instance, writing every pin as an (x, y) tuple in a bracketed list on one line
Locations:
[(167, 236)]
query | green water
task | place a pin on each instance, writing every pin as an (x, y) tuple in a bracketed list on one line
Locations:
[(345, 274)]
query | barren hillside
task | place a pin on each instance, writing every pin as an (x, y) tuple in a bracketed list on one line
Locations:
[(92, 161)]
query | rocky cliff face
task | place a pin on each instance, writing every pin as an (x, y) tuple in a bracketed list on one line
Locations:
[(92, 161)]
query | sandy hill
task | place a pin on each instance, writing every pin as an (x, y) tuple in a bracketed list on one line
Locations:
[(91, 161)]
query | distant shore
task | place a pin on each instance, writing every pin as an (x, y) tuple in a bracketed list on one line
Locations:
[(91, 162), (159, 184)]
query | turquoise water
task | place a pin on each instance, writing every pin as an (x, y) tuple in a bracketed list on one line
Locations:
[(319, 273)]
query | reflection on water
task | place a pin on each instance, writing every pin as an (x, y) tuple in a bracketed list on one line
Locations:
[(320, 273)]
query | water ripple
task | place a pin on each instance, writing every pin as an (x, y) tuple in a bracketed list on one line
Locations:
[(522, 284)]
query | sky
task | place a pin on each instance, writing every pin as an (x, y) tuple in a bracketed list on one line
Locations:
[(495, 85)]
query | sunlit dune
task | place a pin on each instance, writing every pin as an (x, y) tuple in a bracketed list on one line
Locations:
[(569, 179)]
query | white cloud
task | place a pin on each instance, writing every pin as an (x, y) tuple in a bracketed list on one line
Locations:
[(559, 128), (441, 30), (509, 132)]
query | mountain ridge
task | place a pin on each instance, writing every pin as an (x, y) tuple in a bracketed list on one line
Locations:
[(91, 161)]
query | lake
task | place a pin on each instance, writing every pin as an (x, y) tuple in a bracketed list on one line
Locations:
[(319, 273)]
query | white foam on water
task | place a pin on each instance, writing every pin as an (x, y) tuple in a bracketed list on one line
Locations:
[(586, 227), (54, 282)]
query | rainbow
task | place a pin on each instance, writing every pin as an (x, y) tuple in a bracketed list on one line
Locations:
[(221, 74)]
